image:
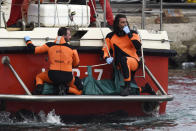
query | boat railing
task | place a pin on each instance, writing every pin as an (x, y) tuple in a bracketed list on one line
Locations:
[(144, 67), (38, 13), (143, 13), (155, 81), (52, 98), (6, 61)]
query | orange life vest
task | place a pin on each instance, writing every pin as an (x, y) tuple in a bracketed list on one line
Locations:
[(123, 42), (61, 55)]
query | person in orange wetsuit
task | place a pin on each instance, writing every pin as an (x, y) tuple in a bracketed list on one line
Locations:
[(109, 14), (125, 44), (62, 58)]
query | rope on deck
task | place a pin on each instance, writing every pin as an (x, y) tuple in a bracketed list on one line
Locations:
[(95, 65)]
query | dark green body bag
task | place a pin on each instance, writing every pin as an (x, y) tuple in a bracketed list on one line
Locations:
[(99, 87), (106, 87)]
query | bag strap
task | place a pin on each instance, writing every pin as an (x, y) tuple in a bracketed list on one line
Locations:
[(89, 70), (115, 68)]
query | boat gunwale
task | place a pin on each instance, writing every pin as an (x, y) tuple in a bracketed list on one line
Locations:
[(79, 98), (88, 49)]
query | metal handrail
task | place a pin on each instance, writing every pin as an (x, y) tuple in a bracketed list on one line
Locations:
[(104, 13), (38, 13), (53, 98), (6, 61), (156, 81), (161, 14)]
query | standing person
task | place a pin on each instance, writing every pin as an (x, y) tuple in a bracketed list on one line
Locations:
[(62, 58), (18, 11), (15, 13), (124, 43), (109, 15)]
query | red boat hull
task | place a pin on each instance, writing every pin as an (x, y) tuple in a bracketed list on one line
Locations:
[(82, 108), (28, 65)]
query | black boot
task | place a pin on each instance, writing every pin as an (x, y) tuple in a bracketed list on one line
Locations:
[(148, 89), (125, 90), (63, 89), (38, 90)]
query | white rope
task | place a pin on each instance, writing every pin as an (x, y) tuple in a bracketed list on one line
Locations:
[(56, 15), (95, 65)]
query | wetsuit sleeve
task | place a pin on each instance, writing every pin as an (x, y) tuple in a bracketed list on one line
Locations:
[(37, 50), (136, 41), (76, 59), (107, 46), (30, 46), (41, 49)]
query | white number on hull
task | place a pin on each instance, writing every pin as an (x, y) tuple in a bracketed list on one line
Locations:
[(77, 71), (100, 71)]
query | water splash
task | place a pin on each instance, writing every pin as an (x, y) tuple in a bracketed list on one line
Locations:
[(5, 117), (42, 116), (53, 118), (27, 119)]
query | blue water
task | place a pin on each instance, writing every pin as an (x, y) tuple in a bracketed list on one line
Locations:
[(180, 114)]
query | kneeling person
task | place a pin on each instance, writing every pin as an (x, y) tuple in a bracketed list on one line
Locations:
[(62, 58)]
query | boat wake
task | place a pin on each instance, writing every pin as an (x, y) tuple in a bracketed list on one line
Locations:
[(26, 118)]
